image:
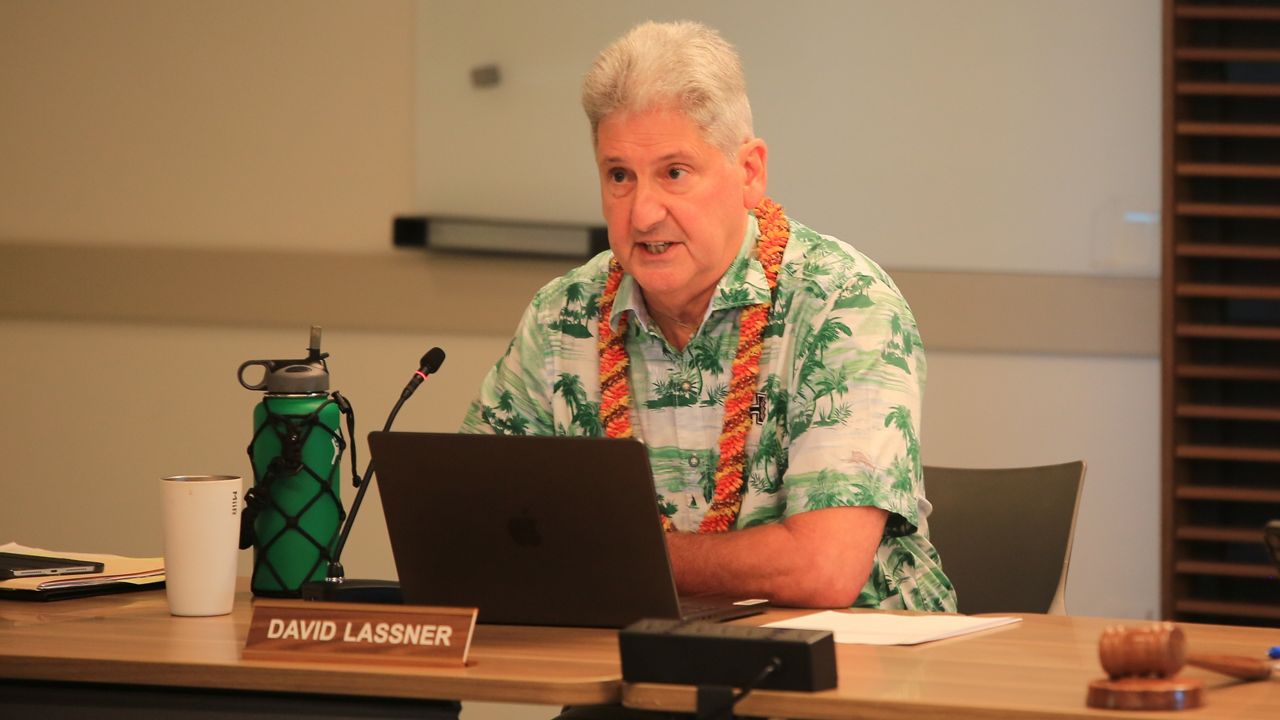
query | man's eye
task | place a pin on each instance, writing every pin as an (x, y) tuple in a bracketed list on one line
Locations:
[(677, 173), (618, 175)]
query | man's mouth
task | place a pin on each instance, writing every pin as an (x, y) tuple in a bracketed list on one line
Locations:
[(656, 248)]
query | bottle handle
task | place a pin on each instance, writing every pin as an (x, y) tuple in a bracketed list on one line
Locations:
[(268, 367)]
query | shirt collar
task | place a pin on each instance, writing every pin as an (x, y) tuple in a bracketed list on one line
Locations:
[(743, 284)]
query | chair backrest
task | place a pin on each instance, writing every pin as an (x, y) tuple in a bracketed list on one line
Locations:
[(1005, 534)]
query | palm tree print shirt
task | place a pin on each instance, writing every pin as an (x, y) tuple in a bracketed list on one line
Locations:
[(836, 414)]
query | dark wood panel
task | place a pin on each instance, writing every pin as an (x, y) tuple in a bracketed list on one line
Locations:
[(1227, 332), (1222, 89), (1227, 210), (1236, 609), (1227, 251), (1233, 170), (1222, 290), (1227, 412), (1222, 129), (1211, 54), (1227, 372), (1218, 534), (1227, 12), (1227, 494), (1220, 324), (1229, 569)]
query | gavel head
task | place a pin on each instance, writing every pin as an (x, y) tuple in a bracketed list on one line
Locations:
[(1158, 650)]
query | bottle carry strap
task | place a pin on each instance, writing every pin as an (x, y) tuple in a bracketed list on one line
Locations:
[(292, 431), (345, 407)]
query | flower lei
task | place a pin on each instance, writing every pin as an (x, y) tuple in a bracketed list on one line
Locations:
[(615, 389)]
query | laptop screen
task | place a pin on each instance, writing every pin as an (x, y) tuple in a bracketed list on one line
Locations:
[(530, 530)]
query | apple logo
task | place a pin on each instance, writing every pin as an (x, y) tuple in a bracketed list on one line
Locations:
[(524, 531)]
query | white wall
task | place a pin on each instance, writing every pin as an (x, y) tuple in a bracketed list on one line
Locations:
[(983, 135), (984, 410)]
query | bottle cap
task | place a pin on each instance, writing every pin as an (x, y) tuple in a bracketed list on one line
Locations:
[(304, 376)]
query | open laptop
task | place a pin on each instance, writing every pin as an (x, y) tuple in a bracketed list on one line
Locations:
[(532, 530)]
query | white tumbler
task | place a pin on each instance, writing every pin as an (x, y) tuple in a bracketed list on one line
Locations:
[(201, 542)]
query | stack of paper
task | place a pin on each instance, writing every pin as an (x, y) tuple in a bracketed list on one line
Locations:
[(871, 628), (118, 573)]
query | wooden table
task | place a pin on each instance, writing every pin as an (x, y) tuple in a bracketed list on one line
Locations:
[(1038, 668), (130, 639)]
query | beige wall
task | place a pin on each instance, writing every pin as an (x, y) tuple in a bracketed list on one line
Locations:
[(146, 139), (96, 412), (193, 123)]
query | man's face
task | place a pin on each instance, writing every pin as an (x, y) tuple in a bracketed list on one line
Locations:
[(675, 205)]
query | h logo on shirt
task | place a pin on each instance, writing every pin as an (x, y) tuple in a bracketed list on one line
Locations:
[(757, 409)]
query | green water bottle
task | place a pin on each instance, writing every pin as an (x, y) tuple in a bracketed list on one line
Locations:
[(294, 509)]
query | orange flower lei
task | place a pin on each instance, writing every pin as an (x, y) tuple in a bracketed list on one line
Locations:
[(615, 389)]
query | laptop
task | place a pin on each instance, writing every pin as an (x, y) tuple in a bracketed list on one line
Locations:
[(532, 530)]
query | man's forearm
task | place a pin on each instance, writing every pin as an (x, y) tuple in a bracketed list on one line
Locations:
[(816, 559)]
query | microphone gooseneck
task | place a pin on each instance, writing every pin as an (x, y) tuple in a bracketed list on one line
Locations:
[(430, 363)]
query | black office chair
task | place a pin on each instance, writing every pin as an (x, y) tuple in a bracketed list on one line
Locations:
[(1005, 534)]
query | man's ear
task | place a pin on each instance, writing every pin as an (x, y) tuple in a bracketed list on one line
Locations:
[(753, 158)]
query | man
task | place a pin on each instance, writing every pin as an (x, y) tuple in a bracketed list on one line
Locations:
[(774, 374)]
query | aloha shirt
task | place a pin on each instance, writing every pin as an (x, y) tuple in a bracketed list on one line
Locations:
[(835, 416)]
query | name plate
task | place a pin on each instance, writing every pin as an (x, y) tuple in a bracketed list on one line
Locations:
[(297, 630)]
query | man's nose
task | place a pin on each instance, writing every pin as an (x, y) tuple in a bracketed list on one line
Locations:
[(649, 207)]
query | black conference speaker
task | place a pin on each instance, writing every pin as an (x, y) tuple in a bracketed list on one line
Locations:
[(705, 653)]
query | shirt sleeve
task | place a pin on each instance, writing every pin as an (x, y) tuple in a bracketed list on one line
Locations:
[(515, 397), (857, 405)]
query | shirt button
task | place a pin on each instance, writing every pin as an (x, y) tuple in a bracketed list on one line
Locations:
[(686, 386), (693, 461)]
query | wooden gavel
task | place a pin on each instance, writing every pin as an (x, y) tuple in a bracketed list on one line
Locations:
[(1142, 664), (1160, 651)]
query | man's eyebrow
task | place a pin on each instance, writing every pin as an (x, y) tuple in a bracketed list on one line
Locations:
[(676, 156)]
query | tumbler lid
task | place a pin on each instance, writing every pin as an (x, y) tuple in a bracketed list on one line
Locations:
[(292, 377), (297, 378)]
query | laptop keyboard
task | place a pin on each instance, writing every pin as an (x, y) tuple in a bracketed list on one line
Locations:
[(692, 608), (696, 608)]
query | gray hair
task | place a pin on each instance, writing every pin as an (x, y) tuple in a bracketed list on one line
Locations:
[(682, 63)]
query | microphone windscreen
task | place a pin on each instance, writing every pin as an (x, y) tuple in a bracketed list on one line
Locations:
[(432, 361)]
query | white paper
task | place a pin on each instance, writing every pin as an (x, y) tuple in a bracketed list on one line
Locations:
[(870, 628)]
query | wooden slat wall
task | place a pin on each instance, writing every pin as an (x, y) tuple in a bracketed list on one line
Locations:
[(1221, 327)]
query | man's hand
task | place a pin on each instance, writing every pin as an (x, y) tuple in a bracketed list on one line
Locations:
[(819, 558)]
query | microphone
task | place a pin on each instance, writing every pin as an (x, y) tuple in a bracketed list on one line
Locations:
[(335, 586), (430, 362)]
